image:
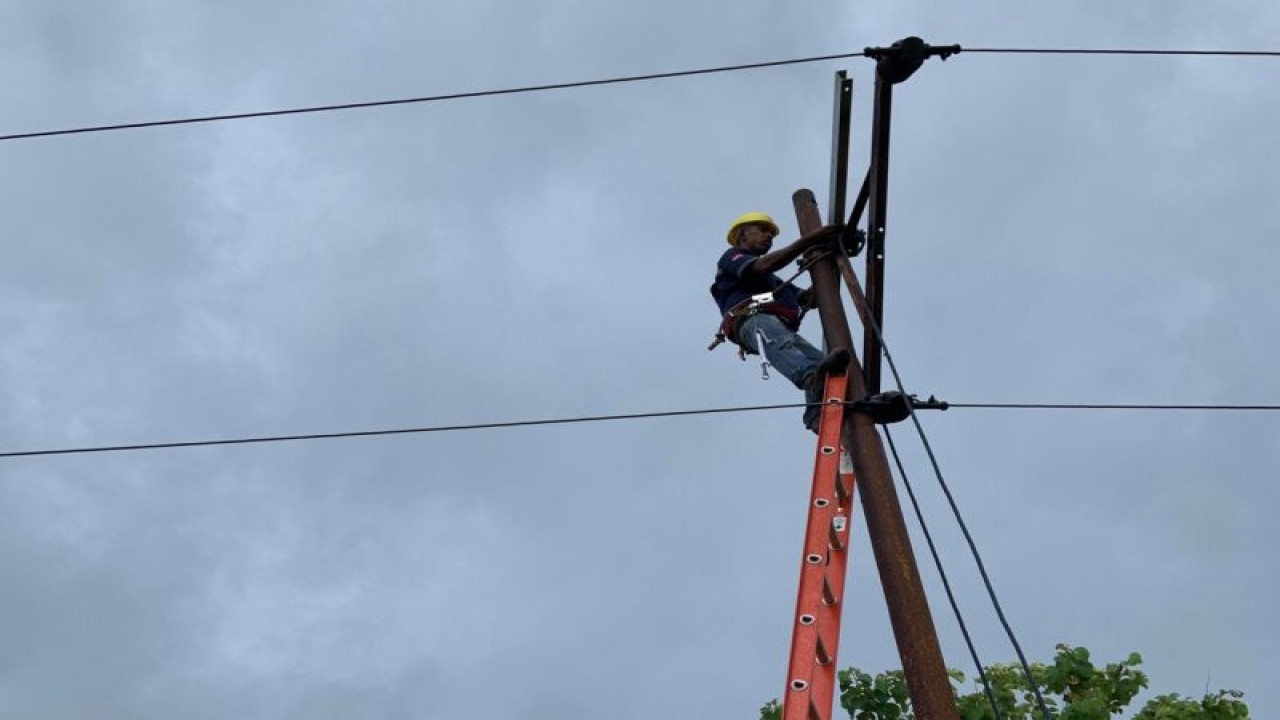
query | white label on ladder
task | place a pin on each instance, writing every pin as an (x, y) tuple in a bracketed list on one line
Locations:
[(846, 463)]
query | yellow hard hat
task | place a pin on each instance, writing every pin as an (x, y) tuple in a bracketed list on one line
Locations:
[(747, 219)]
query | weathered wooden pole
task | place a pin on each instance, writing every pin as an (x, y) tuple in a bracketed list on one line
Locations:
[(926, 673)]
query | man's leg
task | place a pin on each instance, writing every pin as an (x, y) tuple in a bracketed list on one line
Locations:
[(790, 354), (835, 362)]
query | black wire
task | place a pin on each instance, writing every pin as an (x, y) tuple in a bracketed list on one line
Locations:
[(590, 83), (946, 583), (1084, 406), (396, 431), (973, 548), (964, 528), (596, 418), (977, 557), (429, 98), (561, 421), (1121, 51)]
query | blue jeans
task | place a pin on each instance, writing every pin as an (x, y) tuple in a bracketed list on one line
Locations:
[(789, 354)]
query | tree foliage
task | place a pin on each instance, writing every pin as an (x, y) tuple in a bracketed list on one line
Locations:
[(1072, 686)]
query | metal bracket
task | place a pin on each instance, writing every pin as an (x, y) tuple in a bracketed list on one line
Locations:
[(894, 406), (853, 240), (901, 59), (894, 64)]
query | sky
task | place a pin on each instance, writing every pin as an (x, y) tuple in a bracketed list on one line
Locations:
[(1062, 229)]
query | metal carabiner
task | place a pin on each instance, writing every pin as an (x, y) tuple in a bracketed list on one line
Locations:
[(764, 359)]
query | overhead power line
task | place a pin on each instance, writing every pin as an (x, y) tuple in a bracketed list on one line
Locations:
[(942, 575), (591, 83), (429, 98), (1103, 406), (955, 510), (394, 431), (1122, 51), (572, 420)]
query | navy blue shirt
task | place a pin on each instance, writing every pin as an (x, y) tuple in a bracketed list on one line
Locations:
[(733, 284)]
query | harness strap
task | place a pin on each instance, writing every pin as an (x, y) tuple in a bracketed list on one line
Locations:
[(745, 309), (725, 331)]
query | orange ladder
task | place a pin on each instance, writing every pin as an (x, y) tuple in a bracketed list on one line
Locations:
[(811, 672)]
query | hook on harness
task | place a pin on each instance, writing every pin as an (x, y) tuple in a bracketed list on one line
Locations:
[(746, 308), (764, 360)]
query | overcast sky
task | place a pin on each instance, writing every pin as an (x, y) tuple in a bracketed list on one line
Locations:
[(1061, 229)]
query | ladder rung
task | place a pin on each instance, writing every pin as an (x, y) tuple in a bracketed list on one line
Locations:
[(846, 470), (820, 653), (839, 524), (828, 595)]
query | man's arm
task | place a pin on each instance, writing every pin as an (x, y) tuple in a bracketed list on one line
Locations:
[(780, 258)]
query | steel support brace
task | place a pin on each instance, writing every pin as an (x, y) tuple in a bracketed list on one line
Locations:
[(894, 64), (877, 201), (840, 124)]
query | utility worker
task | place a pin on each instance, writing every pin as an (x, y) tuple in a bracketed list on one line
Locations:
[(770, 325)]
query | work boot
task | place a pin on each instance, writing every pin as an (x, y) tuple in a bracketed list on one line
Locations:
[(835, 363), (813, 396)]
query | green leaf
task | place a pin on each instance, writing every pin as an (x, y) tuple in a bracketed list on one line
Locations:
[(1073, 688)]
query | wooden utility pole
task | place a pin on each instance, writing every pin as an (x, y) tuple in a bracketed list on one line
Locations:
[(816, 636), (926, 674)]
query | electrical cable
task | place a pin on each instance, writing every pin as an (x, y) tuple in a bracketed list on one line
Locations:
[(598, 418), (428, 98), (1085, 406), (977, 557), (964, 528), (394, 431), (973, 548), (1121, 51), (946, 583), (602, 81)]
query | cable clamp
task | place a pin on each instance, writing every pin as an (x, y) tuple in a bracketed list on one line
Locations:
[(894, 406), (897, 62)]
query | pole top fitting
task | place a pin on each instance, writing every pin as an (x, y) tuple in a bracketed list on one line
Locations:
[(901, 59), (894, 406)]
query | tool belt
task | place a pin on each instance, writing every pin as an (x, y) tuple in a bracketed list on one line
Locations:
[(728, 330)]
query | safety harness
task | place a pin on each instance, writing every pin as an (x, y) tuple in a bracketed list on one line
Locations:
[(762, 303)]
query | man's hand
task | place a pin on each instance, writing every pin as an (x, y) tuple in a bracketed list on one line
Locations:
[(774, 261), (826, 233), (808, 299)]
